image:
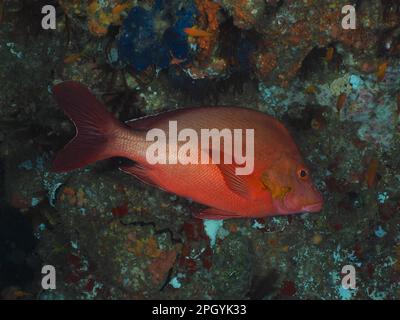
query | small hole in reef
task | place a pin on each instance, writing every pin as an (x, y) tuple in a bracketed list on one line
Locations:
[(316, 60)]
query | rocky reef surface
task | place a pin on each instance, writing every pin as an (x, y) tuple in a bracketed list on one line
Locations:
[(110, 236)]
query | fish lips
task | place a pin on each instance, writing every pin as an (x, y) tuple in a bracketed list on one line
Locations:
[(314, 204), (314, 207)]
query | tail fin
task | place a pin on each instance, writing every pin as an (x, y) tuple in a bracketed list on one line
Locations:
[(94, 127)]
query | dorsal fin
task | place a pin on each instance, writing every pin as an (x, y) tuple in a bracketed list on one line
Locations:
[(151, 121)]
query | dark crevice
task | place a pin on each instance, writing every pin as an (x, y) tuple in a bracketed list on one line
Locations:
[(235, 47), (17, 244), (157, 232), (316, 60), (152, 224)]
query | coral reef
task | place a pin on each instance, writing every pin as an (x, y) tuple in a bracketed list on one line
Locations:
[(112, 237)]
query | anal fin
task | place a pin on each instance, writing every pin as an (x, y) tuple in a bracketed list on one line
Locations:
[(216, 214), (139, 172)]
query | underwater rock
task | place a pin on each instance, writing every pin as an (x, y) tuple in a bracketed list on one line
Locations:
[(235, 249), (246, 14), (293, 29), (154, 35), (202, 270), (100, 15), (129, 246), (23, 175)]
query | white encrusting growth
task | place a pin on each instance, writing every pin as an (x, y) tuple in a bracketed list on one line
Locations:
[(211, 228)]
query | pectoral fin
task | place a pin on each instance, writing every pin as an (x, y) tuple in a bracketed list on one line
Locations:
[(237, 183)]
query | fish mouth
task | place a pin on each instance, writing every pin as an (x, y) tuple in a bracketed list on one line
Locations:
[(314, 207)]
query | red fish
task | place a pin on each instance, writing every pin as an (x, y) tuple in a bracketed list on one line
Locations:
[(279, 184)]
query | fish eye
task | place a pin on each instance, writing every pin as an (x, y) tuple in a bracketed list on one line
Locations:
[(302, 173)]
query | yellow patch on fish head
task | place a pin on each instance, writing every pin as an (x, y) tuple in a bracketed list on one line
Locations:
[(277, 190)]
